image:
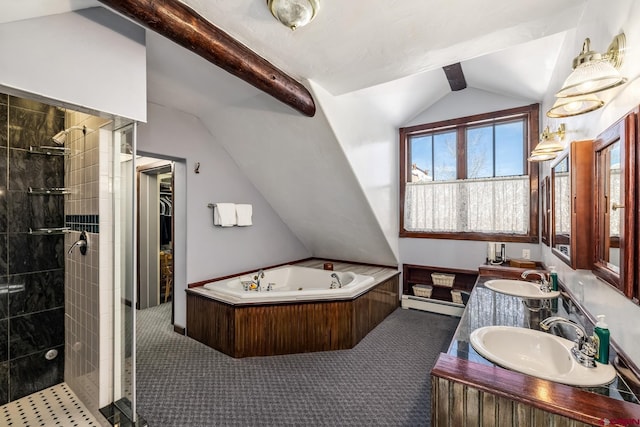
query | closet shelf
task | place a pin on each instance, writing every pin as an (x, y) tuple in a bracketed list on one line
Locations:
[(49, 151), (48, 231), (52, 191)]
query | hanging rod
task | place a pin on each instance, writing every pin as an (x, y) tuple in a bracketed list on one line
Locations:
[(53, 190), (55, 230), (49, 151)]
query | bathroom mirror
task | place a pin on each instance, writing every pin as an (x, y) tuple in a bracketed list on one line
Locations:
[(561, 224), (614, 205), (572, 205), (545, 197)]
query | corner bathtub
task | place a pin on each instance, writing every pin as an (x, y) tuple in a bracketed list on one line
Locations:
[(291, 283), (300, 314)]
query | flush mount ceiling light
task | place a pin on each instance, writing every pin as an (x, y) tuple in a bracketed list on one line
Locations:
[(594, 72), (294, 13), (567, 107)]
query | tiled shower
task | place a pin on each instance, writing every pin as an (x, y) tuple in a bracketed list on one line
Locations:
[(55, 319), (32, 254)]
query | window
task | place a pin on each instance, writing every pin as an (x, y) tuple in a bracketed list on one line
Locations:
[(469, 178)]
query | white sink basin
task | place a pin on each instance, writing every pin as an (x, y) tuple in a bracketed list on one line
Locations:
[(539, 354), (520, 288)]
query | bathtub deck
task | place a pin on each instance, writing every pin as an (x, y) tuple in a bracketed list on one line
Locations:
[(285, 328)]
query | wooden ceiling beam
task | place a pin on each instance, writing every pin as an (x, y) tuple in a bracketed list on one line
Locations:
[(455, 76), (184, 26)]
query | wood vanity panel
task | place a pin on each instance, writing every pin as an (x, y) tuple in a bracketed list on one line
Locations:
[(439, 402), (457, 404), (504, 393), (472, 413)]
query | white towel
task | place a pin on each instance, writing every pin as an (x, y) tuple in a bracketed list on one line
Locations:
[(243, 214), (224, 214)]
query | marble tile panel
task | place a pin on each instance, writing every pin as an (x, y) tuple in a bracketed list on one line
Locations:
[(3, 190), (32, 123), (4, 206), (36, 292), (35, 332), (4, 383), (4, 123), (3, 254), (4, 343), (34, 373), (34, 170), (31, 253), (29, 211), (19, 210), (4, 300), (28, 104)]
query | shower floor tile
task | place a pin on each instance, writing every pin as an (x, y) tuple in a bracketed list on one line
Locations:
[(55, 406)]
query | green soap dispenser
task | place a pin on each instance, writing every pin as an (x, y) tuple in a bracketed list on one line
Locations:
[(601, 338), (553, 278)]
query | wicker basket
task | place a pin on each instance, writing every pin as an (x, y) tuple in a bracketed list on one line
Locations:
[(422, 290), (456, 297), (442, 279)]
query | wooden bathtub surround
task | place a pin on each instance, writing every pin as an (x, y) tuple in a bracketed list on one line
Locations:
[(286, 328), (182, 25)]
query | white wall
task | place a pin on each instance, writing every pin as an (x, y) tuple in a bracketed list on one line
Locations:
[(368, 140), (295, 162), (212, 251), (601, 23), (92, 59), (463, 254)]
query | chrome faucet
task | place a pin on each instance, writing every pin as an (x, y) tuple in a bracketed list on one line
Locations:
[(544, 283), (81, 243), (337, 279), (585, 349), (259, 275)]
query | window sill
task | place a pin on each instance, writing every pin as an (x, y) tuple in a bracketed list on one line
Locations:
[(483, 237)]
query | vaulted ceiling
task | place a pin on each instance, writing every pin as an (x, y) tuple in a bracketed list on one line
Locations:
[(504, 46), (385, 54)]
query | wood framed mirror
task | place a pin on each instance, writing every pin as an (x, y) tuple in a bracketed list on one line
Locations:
[(614, 207), (571, 205), (561, 223), (545, 198)]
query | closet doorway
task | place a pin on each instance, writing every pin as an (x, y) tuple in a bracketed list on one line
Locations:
[(155, 181)]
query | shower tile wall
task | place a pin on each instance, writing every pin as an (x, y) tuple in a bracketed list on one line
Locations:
[(31, 265), (86, 325)]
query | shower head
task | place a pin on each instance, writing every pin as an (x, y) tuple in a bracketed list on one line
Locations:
[(61, 137)]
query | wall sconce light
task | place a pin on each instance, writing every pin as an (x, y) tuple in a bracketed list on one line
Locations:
[(549, 146), (592, 72), (575, 105), (294, 13), (541, 157)]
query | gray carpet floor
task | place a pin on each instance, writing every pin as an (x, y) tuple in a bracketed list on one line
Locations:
[(383, 381)]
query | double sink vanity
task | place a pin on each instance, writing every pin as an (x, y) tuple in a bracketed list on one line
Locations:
[(503, 368)]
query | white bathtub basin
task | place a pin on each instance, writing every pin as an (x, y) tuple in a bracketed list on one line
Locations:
[(520, 288), (539, 354)]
